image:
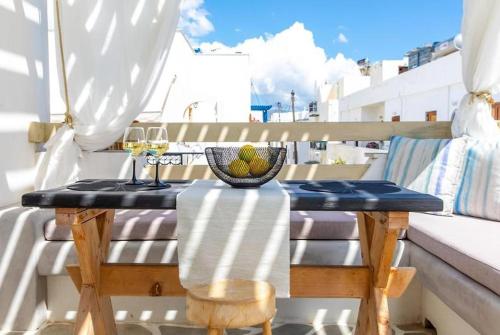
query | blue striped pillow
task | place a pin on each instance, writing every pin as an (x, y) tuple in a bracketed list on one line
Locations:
[(479, 190), (430, 166)]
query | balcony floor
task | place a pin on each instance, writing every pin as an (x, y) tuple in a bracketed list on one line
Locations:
[(159, 329)]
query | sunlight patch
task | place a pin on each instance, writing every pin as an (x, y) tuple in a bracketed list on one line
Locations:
[(31, 12), (137, 12), (12, 62), (109, 35), (92, 19), (8, 5)]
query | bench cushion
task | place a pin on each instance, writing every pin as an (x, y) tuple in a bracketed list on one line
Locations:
[(158, 225), (56, 255), (470, 245)]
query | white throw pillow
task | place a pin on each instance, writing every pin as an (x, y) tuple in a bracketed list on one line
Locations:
[(478, 193), (431, 166), (376, 169)]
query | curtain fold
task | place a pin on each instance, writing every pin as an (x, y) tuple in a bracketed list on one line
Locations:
[(114, 52), (481, 69)]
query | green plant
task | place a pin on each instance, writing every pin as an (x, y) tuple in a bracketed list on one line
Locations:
[(339, 161)]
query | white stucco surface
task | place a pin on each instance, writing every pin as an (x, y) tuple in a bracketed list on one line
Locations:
[(24, 97), (220, 83), (436, 86)]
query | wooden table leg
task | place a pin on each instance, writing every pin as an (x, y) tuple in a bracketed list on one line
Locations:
[(378, 233), (266, 328), (92, 234)]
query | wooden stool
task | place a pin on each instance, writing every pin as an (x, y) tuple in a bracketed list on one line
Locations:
[(232, 304)]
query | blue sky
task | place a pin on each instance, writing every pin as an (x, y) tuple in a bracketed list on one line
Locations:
[(383, 29), (301, 44)]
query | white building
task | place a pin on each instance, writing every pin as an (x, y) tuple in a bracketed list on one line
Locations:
[(201, 87), (328, 96), (429, 92), (193, 87)]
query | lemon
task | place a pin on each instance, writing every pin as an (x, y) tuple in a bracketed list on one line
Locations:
[(259, 166), (239, 168), (247, 152)]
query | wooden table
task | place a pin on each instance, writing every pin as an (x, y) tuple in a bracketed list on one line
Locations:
[(381, 217)]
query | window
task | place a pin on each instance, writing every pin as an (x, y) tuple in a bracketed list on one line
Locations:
[(318, 145), (431, 116)]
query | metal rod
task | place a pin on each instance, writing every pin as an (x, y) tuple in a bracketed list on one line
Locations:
[(295, 154)]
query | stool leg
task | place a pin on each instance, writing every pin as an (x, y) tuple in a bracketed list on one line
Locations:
[(266, 328), (215, 331)]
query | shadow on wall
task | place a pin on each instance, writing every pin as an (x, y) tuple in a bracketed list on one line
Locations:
[(24, 83), (24, 98), (22, 290), (24, 87)]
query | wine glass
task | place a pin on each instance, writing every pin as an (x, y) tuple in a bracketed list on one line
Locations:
[(157, 144), (134, 143)]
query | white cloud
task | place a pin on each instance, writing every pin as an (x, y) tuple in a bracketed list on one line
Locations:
[(288, 60), (342, 38), (194, 19)]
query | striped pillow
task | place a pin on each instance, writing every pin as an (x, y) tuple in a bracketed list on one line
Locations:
[(430, 166), (479, 190)]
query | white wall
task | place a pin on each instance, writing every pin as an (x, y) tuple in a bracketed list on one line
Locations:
[(328, 96), (373, 113), (435, 86), (24, 87), (446, 321), (215, 79), (384, 70), (354, 115), (351, 83)]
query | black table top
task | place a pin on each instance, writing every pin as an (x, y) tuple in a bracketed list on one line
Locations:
[(347, 196)]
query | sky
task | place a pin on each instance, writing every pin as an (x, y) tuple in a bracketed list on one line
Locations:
[(296, 44)]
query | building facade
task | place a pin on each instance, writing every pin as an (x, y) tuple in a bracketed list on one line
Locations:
[(201, 87), (430, 92)]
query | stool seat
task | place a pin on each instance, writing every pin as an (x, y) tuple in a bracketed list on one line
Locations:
[(232, 303)]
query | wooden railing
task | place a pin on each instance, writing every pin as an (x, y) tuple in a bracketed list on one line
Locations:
[(266, 132), (278, 132)]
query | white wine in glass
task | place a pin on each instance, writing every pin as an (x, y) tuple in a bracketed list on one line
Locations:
[(157, 148), (134, 142), (157, 145)]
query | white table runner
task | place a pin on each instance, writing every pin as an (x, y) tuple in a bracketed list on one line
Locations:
[(229, 233)]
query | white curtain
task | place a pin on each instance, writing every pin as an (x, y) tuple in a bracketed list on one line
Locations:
[(115, 51), (480, 67)]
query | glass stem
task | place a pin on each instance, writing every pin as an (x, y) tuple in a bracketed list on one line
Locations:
[(157, 179), (134, 178)]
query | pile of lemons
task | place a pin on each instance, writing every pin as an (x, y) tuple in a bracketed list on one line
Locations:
[(248, 162)]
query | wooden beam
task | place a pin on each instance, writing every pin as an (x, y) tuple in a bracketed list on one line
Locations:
[(91, 230), (329, 281), (288, 172), (135, 279), (381, 253), (393, 220), (399, 279), (365, 228), (40, 132), (69, 216), (286, 131), (305, 281)]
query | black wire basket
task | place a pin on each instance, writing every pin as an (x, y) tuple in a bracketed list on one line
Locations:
[(242, 168)]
